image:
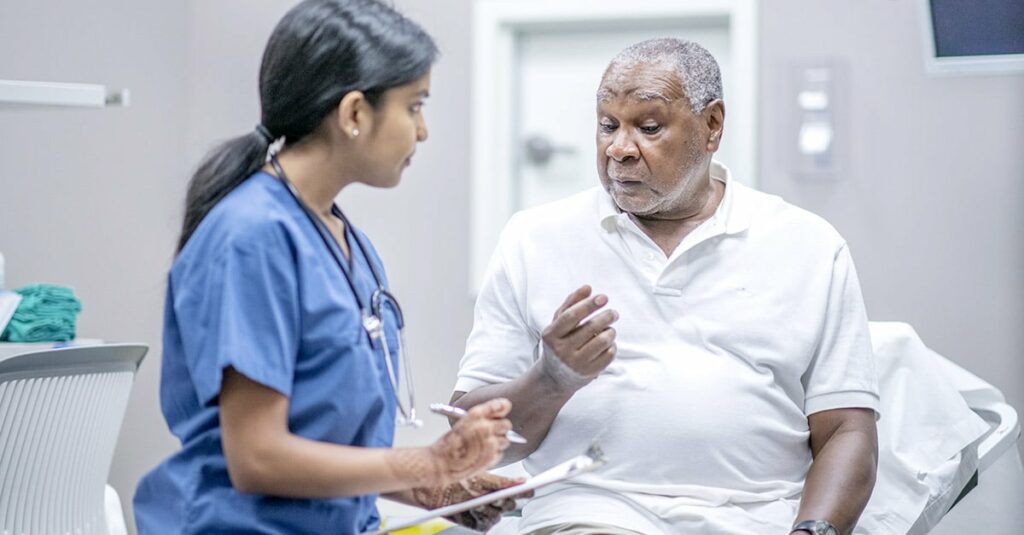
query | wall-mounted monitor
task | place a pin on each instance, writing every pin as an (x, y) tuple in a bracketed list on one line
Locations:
[(973, 36)]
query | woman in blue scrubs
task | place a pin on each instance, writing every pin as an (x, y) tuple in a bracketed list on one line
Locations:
[(279, 337)]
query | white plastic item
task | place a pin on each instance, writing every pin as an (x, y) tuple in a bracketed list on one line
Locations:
[(8, 306), (114, 513), (60, 414)]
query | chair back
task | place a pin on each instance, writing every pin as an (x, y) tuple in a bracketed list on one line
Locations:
[(60, 415)]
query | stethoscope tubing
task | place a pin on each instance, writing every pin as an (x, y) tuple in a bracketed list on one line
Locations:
[(378, 299)]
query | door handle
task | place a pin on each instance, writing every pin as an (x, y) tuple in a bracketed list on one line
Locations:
[(539, 150)]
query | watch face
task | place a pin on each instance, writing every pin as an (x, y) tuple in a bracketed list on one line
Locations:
[(817, 527), (824, 528)]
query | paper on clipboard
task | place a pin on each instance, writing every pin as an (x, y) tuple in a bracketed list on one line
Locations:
[(581, 464)]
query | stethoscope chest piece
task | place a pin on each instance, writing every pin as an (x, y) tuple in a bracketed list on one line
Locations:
[(373, 326)]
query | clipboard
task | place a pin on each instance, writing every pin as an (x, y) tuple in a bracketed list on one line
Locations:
[(592, 459)]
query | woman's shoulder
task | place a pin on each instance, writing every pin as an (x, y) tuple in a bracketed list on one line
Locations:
[(253, 216)]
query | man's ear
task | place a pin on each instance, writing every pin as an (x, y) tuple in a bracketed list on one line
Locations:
[(354, 114), (714, 118)]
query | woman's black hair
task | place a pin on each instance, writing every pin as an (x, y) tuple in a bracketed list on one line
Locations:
[(320, 51)]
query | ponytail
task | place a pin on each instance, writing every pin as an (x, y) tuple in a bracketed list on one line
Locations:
[(320, 51), (222, 170)]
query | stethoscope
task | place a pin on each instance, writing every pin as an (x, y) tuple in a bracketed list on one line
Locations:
[(372, 315)]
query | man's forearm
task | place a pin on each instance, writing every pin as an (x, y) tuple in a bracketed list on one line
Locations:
[(536, 400), (841, 476)]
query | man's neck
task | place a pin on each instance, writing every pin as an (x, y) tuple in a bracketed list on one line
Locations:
[(667, 232)]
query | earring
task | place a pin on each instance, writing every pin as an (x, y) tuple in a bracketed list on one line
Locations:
[(355, 132)]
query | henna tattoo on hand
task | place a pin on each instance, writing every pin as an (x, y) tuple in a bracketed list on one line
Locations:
[(465, 450), (481, 518), (418, 466), (461, 452)]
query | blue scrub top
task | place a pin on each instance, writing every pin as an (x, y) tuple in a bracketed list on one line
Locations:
[(256, 289)]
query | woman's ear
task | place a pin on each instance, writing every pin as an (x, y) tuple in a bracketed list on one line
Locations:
[(354, 114)]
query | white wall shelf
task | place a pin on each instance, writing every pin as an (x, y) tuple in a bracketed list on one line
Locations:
[(20, 94)]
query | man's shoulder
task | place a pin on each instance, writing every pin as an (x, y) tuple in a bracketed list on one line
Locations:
[(772, 215), (572, 213)]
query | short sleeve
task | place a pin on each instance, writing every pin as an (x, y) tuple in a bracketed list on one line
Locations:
[(842, 371), (501, 345), (241, 310)]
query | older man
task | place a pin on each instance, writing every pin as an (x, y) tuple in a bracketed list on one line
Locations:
[(736, 393)]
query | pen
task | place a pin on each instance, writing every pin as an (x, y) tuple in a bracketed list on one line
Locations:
[(455, 412)]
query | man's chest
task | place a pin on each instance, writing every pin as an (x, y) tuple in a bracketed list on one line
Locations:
[(723, 299)]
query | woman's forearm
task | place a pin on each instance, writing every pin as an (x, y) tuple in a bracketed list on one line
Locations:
[(292, 466), (264, 457)]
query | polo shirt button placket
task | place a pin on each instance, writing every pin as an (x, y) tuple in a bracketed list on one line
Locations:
[(648, 263), (668, 291)]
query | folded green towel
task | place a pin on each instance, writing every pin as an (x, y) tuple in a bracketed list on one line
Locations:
[(47, 313)]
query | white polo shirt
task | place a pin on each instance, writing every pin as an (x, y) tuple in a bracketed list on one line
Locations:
[(755, 321)]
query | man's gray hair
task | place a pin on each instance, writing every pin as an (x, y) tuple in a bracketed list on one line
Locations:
[(697, 68)]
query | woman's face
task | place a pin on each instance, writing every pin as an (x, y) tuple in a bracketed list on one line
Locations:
[(398, 126)]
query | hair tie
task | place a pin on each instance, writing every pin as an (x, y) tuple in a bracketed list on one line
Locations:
[(264, 132)]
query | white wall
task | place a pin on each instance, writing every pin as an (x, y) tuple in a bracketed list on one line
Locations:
[(92, 198), (931, 203)]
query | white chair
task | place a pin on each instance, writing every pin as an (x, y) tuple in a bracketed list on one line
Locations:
[(60, 414)]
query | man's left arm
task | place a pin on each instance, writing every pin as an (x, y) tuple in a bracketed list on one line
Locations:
[(844, 445)]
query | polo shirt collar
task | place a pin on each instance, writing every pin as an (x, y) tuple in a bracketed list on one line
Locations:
[(732, 210)]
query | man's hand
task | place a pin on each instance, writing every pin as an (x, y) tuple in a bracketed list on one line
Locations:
[(481, 518), (576, 347), (576, 351)]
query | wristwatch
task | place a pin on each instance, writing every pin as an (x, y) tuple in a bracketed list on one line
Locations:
[(816, 527)]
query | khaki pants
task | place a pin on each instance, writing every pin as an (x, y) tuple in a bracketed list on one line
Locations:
[(583, 529)]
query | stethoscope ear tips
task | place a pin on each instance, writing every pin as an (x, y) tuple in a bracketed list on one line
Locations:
[(411, 420), (414, 423)]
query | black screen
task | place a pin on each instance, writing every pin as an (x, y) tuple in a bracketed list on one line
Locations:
[(978, 27)]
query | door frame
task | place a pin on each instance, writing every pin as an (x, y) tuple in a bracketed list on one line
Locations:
[(495, 25)]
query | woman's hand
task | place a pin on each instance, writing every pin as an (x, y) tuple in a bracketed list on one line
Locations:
[(474, 444), (480, 518)]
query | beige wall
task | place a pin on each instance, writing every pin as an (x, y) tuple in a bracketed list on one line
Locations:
[(930, 203)]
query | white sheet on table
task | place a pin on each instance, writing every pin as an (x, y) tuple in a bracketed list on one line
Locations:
[(926, 435)]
